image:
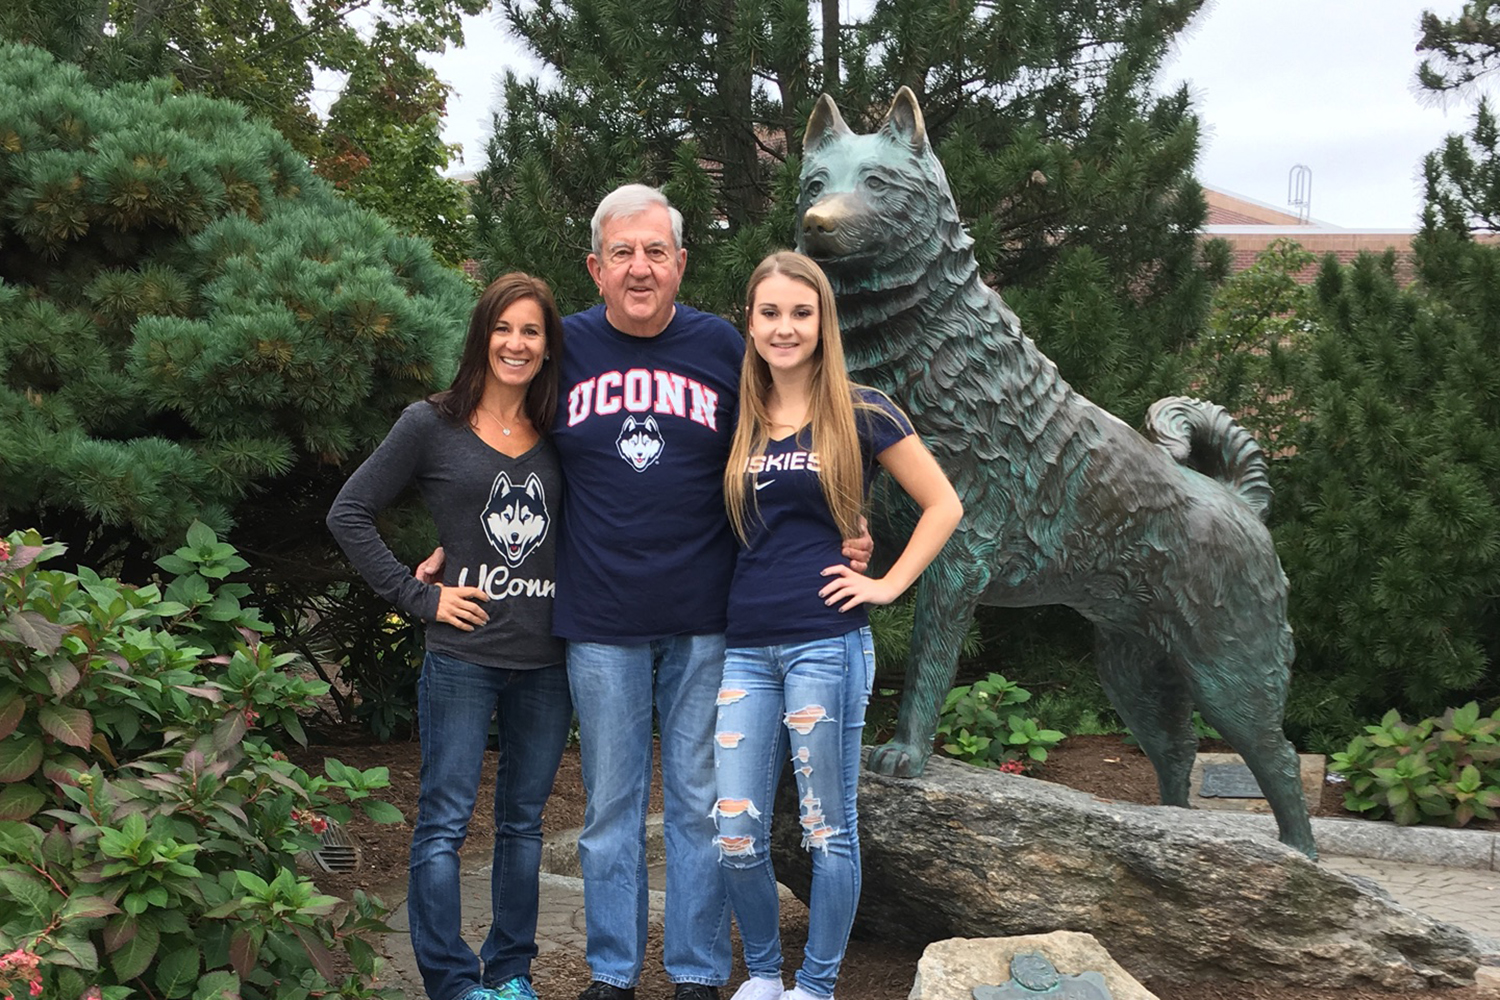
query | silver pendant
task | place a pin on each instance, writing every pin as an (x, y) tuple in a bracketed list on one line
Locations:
[(505, 431)]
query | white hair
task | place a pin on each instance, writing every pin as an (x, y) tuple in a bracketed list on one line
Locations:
[(633, 199)]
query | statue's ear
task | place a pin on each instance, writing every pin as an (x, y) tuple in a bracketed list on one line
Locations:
[(904, 121), (824, 123)]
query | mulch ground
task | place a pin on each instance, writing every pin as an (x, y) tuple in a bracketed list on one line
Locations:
[(873, 970)]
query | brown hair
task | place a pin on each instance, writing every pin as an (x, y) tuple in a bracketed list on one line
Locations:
[(830, 409), (461, 398)]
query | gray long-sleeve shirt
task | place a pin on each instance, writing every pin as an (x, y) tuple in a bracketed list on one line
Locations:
[(497, 522)]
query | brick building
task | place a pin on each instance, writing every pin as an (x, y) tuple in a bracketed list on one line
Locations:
[(1249, 226)]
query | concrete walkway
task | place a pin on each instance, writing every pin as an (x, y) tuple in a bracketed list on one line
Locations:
[(1464, 896), (1453, 875)]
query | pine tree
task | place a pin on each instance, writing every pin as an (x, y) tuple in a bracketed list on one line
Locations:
[(1075, 181), (382, 143), (192, 325), (1465, 48), (1462, 180)]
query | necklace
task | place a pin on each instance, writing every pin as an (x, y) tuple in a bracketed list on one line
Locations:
[(496, 418)]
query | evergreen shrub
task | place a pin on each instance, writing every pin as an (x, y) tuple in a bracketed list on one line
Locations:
[(148, 819), (1387, 512)]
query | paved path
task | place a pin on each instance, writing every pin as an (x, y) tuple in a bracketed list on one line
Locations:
[(1463, 896), (559, 922), (1468, 897)]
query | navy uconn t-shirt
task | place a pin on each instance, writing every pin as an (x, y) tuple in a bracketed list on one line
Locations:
[(643, 430), (793, 537)]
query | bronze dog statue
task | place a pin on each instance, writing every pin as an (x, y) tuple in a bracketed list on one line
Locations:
[(1159, 543)]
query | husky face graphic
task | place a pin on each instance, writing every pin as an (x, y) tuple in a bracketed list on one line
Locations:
[(640, 442), (515, 520)]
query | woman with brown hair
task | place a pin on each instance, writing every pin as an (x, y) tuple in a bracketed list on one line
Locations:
[(479, 456)]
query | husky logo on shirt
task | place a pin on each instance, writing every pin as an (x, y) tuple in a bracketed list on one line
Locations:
[(515, 520), (640, 442)]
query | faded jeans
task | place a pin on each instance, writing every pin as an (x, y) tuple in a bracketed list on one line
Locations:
[(614, 688), (806, 702)]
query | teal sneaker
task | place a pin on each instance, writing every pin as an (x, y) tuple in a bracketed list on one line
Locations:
[(515, 988)]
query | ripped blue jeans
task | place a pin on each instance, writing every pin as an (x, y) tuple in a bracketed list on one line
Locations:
[(804, 702)]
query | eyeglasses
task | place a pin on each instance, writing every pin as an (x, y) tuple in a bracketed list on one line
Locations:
[(621, 254)]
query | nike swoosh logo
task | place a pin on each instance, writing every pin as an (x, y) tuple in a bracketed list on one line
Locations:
[(762, 484)]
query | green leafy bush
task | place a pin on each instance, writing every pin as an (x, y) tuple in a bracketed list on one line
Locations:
[(1440, 770), (148, 821), (974, 727)]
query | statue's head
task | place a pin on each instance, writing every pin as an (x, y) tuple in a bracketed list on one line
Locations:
[(871, 205)]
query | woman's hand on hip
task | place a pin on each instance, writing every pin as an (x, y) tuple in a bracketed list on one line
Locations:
[(854, 589), (462, 607)]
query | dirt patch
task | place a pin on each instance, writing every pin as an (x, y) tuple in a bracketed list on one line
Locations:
[(1102, 765)]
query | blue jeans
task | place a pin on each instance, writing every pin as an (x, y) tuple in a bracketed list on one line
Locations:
[(455, 702), (614, 688), (808, 698)]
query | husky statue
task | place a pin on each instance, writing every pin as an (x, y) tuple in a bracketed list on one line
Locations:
[(1159, 543)]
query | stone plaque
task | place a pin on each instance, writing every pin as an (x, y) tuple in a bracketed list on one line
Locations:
[(1229, 781), (1222, 781)]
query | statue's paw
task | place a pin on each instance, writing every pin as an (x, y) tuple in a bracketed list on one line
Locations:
[(898, 758)]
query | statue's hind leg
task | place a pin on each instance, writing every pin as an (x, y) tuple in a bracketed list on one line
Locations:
[(1243, 695), (946, 596), (1155, 704)]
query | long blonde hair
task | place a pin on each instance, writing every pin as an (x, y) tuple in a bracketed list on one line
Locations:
[(830, 408)]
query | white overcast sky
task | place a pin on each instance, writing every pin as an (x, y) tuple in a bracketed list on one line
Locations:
[(1323, 83)]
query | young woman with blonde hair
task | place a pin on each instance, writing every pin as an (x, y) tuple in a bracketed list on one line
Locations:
[(800, 660)]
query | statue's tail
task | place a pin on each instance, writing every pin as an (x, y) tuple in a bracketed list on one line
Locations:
[(1205, 438)]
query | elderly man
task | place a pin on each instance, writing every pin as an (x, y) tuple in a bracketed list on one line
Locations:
[(649, 391)]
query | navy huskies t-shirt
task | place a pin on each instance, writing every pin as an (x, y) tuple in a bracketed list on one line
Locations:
[(793, 537), (643, 430)]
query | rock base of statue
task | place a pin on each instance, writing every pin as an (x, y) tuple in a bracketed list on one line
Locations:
[(1185, 895)]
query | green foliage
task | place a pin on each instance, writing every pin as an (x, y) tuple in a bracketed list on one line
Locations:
[(379, 652), (1259, 327), (975, 727), (1462, 180), (1440, 770), (382, 146), (148, 823), (192, 325)]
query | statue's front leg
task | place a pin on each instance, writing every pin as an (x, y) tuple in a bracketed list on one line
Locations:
[(946, 596)]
